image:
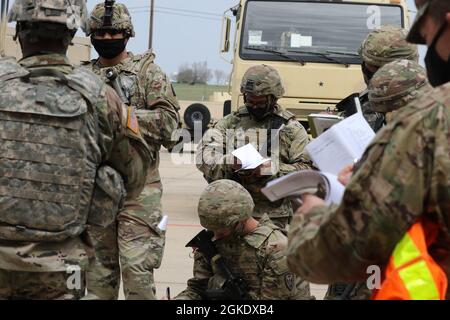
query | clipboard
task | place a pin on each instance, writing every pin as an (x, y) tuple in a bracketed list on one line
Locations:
[(320, 122)]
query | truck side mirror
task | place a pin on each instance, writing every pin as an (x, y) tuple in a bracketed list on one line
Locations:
[(226, 29)]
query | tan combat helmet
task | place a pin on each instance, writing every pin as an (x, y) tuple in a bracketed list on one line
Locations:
[(396, 84), (262, 80), (387, 44), (50, 15), (223, 204), (118, 20)]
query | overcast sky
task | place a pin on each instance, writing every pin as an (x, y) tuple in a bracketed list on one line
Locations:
[(185, 30)]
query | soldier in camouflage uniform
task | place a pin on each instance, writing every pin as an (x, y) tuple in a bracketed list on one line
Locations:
[(273, 130), (70, 151), (396, 85), (252, 250), (393, 86), (404, 176), (149, 91), (382, 46)]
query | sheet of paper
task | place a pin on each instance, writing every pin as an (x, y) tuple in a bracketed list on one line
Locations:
[(255, 38), (305, 41), (336, 189), (249, 157), (357, 132), (296, 40), (341, 144)]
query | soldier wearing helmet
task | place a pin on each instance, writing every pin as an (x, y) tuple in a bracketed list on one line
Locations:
[(382, 46), (144, 86), (402, 180), (274, 132), (252, 250), (395, 85), (71, 152)]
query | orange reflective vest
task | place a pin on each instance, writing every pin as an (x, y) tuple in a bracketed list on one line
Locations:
[(412, 274)]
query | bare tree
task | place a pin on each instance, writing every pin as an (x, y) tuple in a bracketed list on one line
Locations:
[(220, 76), (201, 72), (197, 73), (185, 74)]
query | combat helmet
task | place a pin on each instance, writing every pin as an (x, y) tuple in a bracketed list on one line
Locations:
[(396, 84), (262, 80), (223, 204), (387, 44), (119, 18), (48, 18)]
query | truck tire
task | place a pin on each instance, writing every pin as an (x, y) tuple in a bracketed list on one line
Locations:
[(226, 107), (197, 112)]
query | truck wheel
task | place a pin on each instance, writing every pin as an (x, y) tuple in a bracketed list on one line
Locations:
[(197, 112), (226, 108)]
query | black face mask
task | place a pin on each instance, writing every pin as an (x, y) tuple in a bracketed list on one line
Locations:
[(109, 49), (368, 75), (438, 69), (261, 110)]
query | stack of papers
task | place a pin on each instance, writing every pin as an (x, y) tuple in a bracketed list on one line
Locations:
[(306, 181), (341, 144)]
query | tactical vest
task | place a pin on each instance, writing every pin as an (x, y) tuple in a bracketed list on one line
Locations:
[(48, 151), (244, 258), (132, 77)]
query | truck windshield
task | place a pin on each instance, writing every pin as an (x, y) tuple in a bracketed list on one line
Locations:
[(312, 31)]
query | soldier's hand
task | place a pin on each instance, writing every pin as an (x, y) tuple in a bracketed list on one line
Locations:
[(236, 164), (309, 202), (263, 170), (346, 174)]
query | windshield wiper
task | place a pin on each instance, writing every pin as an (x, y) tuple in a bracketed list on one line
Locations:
[(281, 54), (323, 55), (350, 54)]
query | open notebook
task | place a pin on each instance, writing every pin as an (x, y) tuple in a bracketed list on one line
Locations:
[(324, 185), (341, 144)]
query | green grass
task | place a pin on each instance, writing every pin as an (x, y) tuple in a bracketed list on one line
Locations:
[(198, 92)]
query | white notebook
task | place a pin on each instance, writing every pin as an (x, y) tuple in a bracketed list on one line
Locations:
[(341, 144)]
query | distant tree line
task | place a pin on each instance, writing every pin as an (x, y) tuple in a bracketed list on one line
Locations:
[(199, 73)]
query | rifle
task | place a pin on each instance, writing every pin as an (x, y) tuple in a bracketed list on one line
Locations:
[(113, 80), (234, 287), (349, 105)]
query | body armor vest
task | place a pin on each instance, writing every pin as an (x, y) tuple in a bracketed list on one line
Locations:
[(48, 151)]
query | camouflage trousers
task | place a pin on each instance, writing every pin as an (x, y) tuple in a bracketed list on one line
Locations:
[(19, 285), (137, 242)]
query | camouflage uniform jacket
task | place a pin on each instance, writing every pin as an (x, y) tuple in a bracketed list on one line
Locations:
[(213, 152), (257, 258), (404, 175), (149, 90), (117, 146)]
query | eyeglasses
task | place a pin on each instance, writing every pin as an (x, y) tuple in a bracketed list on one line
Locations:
[(102, 32)]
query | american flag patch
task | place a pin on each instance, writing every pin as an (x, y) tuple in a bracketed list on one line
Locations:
[(132, 122)]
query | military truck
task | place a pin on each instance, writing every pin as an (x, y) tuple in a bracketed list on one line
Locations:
[(79, 51), (313, 44)]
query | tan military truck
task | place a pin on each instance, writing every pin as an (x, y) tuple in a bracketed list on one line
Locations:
[(313, 44), (79, 51)]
